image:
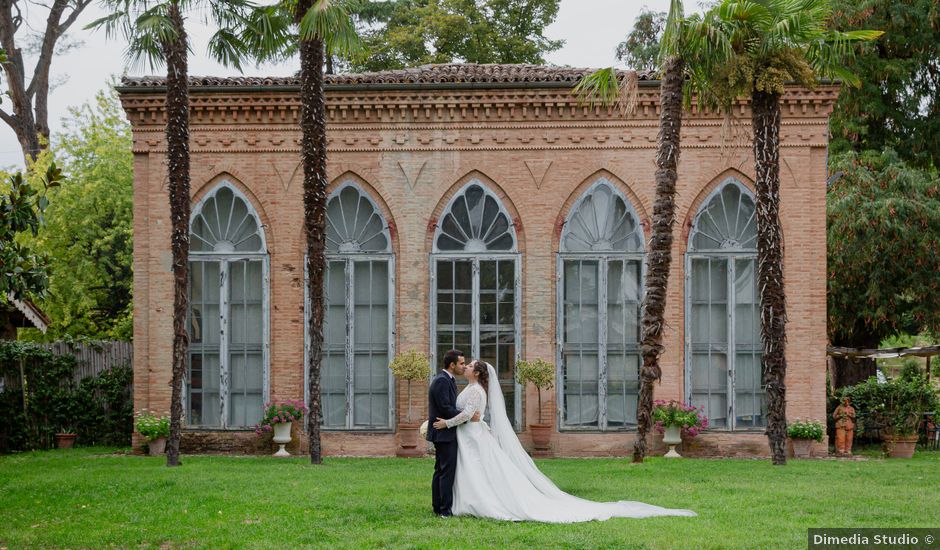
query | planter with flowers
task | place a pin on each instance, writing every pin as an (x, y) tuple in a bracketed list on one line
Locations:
[(410, 366), (155, 428), (675, 419), (540, 374), (278, 418), (803, 434), (65, 438)]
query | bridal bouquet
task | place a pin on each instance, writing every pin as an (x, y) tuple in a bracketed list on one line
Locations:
[(691, 420)]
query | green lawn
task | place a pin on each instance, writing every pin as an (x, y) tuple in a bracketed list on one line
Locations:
[(94, 498)]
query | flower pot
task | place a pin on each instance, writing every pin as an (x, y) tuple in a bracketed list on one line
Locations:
[(541, 437), (65, 441), (672, 436), (157, 446), (282, 437), (802, 448), (900, 446), (408, 440)]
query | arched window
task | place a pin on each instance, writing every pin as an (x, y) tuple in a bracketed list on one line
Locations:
[(358, 332), (476, 286), (723, 347), (599, 296), (227, 379)]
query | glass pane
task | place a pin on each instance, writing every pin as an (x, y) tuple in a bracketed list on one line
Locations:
[(602, 222), (727, 222), (623, 386), (224, 223), (709, 385), (581, 346), (454, 298), (474, 223), (497, 321)]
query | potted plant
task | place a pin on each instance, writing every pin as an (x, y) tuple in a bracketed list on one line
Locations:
[(410, 366), (155, 428), (895, 409), (674, 419), (65, 438), (540, 374), (803, 434), (278, 417)]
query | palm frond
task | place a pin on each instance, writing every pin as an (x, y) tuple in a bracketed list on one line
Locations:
[(330, 21), (604, 87)]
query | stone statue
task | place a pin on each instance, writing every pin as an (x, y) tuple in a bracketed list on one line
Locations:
[(844, 416)]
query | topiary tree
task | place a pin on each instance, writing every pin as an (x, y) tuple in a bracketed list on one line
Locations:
[(539, 373), (411, 366)]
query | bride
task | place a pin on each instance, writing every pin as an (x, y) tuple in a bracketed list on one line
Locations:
[(497, 479)]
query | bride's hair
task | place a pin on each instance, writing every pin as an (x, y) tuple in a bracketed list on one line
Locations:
[(483, 375)]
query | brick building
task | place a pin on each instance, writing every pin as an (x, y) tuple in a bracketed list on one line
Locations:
[(476, 206)]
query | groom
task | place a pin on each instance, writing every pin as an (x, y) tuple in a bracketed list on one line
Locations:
[(442, 403)]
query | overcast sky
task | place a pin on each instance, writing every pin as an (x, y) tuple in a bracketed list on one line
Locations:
[(591, 30)]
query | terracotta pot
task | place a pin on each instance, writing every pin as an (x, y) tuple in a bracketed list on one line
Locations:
[(157, 446), (900, 446), (541, 436), (802, 448), (65, 441), (408, 440)]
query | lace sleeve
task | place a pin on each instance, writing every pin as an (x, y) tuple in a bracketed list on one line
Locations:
[(474, 403)]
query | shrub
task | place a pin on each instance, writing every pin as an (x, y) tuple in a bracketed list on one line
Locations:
[(894, 407), (809, 429), (152, 426), (279, 413), (689, 419)]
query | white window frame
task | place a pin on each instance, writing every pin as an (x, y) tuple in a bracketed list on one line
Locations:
[(224, 260), (476, 258), (349, 261), (731, 257), (603, 260)]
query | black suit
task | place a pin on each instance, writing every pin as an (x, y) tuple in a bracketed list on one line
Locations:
[(442, 403)]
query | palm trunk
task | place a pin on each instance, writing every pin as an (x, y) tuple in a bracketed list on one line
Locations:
[(765, 122), (313, 153), (659, 256), (177, 146)]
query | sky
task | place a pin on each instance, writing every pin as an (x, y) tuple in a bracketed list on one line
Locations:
[(591, 30)]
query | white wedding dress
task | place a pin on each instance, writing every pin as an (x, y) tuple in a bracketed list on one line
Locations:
[(497, 479)]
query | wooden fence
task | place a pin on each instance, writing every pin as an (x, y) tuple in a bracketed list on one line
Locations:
[(94, 356)]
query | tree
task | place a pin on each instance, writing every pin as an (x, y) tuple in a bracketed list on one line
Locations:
[(30, 99), (640, 50), (23, 271), (753, 49), (604, 84), (883, 225), (89, 225), (897, 104), (156, 33), (407, 33)]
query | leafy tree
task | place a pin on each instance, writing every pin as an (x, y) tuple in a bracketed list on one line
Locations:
[(897, 104), (89, 225), (29, 97), (606, 86), (753, 49), (156, 33), (883, 225), (407, 33), (640, 50), (23, 270)]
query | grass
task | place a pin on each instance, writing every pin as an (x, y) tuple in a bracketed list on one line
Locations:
[(96, 498)]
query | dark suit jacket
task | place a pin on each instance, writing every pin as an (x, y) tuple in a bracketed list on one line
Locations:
[(442, 402)]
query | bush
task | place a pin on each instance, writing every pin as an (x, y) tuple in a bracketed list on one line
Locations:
[(809, 429), (691, 420), (895, 407), (278, 413)]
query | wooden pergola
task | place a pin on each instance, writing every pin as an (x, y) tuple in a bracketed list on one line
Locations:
[(927, 352)]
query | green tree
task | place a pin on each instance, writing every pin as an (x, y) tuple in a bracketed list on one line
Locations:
[(897, 104), (156, 34), (23, 271), (606, 86), (89, 225), (640, 50), (883, 225), (753, 48), (407, 33)]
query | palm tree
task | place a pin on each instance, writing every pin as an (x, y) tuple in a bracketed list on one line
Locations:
[(604, 85), (754, 48), (156, 35)]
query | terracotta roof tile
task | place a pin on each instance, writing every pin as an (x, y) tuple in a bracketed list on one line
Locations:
[(426, 74)]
